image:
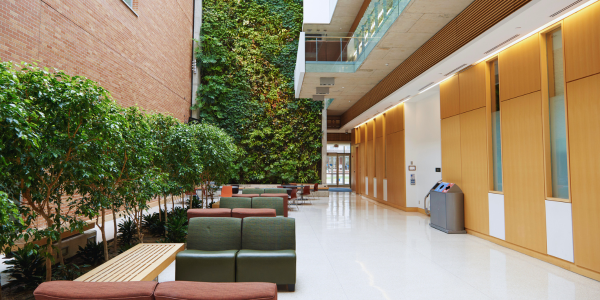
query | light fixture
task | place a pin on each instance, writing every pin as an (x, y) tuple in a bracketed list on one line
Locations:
[(538, 30)]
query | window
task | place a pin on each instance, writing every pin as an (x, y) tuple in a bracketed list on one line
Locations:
[(495, 126), (556, 119)]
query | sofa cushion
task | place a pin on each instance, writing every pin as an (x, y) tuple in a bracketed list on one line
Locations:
[(275, 191), (184, 290), (246, 195), (236, 202), (214, 234), (285, 201), (268, 234), (211, 212), (278, 266), (70, 290), (253, 191), (207, 266), (253, 212), (269, 202)]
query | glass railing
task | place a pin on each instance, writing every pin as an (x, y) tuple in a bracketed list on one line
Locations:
[(346, 54), (333, 49)]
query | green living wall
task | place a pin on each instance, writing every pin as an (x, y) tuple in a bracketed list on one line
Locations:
[(247, 59)]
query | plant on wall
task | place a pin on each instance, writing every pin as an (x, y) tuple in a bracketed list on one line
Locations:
[(247, 58)]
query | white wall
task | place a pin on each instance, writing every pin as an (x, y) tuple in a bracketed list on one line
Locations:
[(423, 145), (318, 11)]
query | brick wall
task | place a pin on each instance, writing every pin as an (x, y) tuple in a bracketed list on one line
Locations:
[(142, 59)]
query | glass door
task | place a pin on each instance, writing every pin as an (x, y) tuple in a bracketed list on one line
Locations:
[(331, 169), (338, 169)]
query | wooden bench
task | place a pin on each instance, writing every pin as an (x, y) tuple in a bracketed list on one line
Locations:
[(143, 262)]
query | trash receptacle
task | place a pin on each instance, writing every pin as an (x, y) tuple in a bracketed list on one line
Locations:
[(447, 208)]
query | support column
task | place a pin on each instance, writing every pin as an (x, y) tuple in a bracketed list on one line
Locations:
[(196, 77), (324, 143)]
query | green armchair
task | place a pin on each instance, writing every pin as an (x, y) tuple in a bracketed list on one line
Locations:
[(212, 246), (235, 202), (269, 202), (268, 251)]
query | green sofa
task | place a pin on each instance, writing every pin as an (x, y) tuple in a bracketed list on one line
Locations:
[(253, 249), (212, 246), (269, 202), (256, 202), (253, 191), (235, 202), (268, 251)]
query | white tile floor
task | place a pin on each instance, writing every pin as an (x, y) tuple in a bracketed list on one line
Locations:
[(352, 248)]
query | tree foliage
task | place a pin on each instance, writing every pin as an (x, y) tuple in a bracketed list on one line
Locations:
[(247, 58)]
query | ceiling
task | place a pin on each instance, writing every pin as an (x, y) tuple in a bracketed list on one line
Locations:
[(343, 16), (419, 21)]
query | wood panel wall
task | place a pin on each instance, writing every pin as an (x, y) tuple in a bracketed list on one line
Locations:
[(473, 145), (584, 145), (381, 156), (451, 157), (380, 165), (519, 69), (449, 97), (523, 168), (581, 34), (472, 88), (396, 174), (523, 152)]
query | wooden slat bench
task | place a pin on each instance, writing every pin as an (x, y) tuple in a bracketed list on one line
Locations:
[(143, 262)]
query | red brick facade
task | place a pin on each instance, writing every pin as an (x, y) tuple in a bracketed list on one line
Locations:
[(142, 58)]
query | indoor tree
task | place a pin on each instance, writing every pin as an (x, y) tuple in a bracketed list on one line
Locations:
[(67, 114)]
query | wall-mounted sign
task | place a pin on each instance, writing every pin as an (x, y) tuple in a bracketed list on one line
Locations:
[(412, 167), (413, 181)]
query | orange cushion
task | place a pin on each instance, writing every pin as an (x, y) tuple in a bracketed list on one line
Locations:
[(209, 212), (71, 290), (186, 290), (253, 212)]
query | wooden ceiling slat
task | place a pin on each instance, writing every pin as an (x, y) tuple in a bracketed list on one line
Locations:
[(478, 17)]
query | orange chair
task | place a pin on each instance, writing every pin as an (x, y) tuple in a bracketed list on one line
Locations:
[(227, 191)]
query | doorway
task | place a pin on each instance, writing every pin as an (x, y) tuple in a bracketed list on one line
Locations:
[(338, 169)]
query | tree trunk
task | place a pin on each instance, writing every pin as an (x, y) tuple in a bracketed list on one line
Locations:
[(102, 229), (115, 240), (159, 214), (61, 259), (49, 260), (173, 201), (165, 197)]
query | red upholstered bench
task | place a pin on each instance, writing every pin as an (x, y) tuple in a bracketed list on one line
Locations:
[(150, 290), (215, 291), (285, 201), (246, 195), (209, 212), (253, 212), (71, 290)]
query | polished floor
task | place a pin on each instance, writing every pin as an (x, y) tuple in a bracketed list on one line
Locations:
[(349, 247)]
